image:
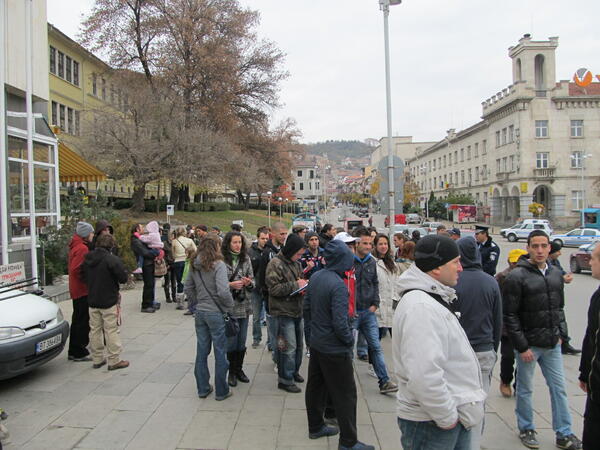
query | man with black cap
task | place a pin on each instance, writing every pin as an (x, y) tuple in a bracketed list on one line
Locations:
[(283, 279), (566, 347), (440, 392), (454, 234), (490, 252)]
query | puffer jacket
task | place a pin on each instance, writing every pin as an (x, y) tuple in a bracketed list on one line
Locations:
[(367, 283), (242, 306), (533, 306), (281, 279), (589, 368), (389, 289), (437, 370)]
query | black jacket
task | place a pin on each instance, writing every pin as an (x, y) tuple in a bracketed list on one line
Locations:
[(103, 272), (589, 368), (324, 240), (268, 254), (490, 254), (533, 306), (367, 283), (255, 254), (326, 319), (140, 249), (479, 299)]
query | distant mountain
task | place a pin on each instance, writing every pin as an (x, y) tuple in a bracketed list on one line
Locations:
[(339, 150)]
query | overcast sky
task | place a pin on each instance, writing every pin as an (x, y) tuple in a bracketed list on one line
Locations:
[(447, 57)]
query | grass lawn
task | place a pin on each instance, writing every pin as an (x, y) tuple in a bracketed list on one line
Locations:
[(252, 218)]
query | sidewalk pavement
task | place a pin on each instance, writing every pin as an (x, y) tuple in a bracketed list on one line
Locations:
[(154, 405)]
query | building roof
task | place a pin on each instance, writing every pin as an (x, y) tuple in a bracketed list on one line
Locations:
[(592, 89)]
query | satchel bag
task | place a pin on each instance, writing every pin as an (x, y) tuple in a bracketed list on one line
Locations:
[(232, 326), (160, 267)]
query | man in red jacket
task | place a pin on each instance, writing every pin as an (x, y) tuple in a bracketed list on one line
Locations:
[(80, 321)]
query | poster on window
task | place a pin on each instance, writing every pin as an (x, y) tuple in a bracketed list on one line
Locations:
[(12, 273), (466, 213)]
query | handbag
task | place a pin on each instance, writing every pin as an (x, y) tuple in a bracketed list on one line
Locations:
[(160, 267), (232, 326)]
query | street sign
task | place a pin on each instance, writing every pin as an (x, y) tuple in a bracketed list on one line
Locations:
[(238, 222), (170, 210)]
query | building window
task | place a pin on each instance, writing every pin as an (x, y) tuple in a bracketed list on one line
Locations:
[(470, 176), (498, 165), (462, 177), (541, 128), (541, 160), (70, 121), (75, 73), (484, 147), (76, 126), (53, 60), (301, 186), (462, 155), (504, 168), (576, 160), (433, 165), (62, 117), (476, 173), (476, 150), (54, 113), (484, 172), (103, 89), (456, 157), (511, 134), (576, 199), (576, 128), (299, 174), (61, 64), (497, 138), (469, 152), (449, 159), (310, 185), (444, 161), (69, 63), (94, 85), (512, 163), (456, 177), (293, 186), (311, 174)]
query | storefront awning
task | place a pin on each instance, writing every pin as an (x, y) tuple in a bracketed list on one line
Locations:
[(73, 168)]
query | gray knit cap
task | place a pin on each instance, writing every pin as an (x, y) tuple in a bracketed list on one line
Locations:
[(84, 229)]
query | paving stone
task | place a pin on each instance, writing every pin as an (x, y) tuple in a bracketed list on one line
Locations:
[(262, 411), (209, 430), (253, 437), (121, 382), (169, 373), (145, 397), (56, 438), (294, 431), (186, 388), (386, 428), (89, 412), (164, 428), (116, 430)]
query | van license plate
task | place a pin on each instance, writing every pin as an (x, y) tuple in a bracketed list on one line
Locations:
[(47, 344)]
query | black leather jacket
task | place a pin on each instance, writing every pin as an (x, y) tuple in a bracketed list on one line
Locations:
[(589, 369), (533, 306)]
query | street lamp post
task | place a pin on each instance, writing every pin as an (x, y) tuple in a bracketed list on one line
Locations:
[(269, 193), (280, 210), (581, 162), (384, 5)]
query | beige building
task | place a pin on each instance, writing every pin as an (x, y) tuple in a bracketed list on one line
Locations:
[(534, 144)]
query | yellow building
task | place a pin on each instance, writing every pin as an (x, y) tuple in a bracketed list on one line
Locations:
[(79, 83)]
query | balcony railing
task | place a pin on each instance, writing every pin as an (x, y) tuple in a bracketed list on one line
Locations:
[(547, 173)]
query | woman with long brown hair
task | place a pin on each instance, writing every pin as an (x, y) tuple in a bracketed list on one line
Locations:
[(387, 274), (208, 285), (241, 280)]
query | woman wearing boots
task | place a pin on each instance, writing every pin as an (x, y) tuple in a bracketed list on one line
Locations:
[(241, 281)]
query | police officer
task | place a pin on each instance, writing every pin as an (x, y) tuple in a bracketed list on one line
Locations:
[(490, 252)]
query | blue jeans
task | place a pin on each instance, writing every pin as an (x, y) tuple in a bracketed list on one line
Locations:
[(366, 322), (362, 349), (257, 308), (237, 343), (210, 327), (428, 436), (551, 363), (178, 271), (288, 345)]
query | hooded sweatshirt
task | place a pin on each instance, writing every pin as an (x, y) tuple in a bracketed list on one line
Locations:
[(152, 236), (326, 303), (479, 299), (103, 272), (437, 370)]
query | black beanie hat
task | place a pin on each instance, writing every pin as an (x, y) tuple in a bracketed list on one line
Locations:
[(309, 235), (433, 251), (293, 243), (555, 247)]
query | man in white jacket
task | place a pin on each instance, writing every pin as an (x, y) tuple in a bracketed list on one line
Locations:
[(440, 391)]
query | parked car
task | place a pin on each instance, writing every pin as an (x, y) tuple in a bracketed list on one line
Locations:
[(401, 228), (522, 223), (364, 212), (514, 234), (580, 260), (576, 237), (413, 218), (32, 331), (431, 227)]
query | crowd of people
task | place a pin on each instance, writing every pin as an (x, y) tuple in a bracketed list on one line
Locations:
[(438, 297)]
